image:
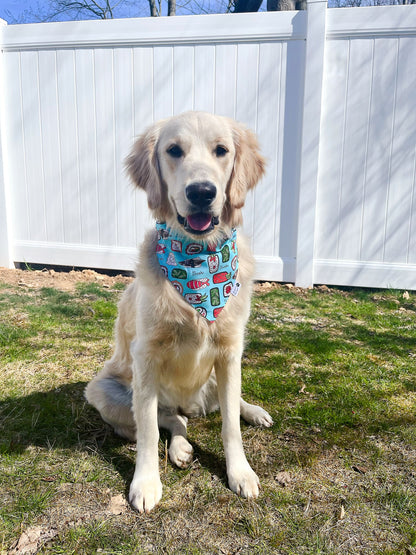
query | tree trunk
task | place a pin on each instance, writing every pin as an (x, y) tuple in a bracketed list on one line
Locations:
[(285, 5), (171, 7), (241, 6), (152, 6)]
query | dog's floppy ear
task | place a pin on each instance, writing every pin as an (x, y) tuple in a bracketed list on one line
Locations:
[(143, 168), (249, 165)]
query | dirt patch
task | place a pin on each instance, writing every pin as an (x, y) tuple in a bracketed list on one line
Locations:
[(64, 281)]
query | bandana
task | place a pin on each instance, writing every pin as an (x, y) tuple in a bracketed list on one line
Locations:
[(205, 276)]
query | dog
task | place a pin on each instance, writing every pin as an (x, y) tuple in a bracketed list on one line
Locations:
[(179, 337)]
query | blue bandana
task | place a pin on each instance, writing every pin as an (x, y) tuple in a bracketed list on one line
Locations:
[(205, 276)]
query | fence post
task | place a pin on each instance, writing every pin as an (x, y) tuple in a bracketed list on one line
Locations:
[(5, 251), (309, 158)]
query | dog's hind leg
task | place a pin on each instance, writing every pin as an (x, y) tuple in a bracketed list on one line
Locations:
[(112, 397), (113, 400), (110, 391), (180, 450), (255, 415)]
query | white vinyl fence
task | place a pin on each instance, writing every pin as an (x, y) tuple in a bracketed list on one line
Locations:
[(330, 93)]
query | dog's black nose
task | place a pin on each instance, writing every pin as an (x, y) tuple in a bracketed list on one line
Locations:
[(201, 194)]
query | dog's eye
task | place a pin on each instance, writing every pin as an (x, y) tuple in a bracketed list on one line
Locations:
[(220, 151), (175, 151)]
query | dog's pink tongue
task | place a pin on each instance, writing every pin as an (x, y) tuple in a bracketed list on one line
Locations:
[(199, 222)]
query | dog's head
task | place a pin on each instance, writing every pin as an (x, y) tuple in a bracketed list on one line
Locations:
[(196, 169)]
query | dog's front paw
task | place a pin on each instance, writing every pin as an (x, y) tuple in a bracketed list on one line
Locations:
[(145, 492), (244, 482), (257, 416), (260, 417), (180, 452)]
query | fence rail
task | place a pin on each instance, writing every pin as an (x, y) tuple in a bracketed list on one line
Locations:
[(330, 94)]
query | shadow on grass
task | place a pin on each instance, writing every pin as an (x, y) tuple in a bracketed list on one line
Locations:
[(62, 419)]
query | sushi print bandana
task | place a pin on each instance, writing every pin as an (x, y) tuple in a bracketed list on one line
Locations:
[(205, 276)]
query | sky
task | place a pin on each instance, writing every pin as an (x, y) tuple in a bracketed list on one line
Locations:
[(33, 11)]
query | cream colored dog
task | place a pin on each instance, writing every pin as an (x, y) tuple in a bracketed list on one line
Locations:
[(169, 361)]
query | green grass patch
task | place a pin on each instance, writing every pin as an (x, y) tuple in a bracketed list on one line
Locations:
[(336, 369)]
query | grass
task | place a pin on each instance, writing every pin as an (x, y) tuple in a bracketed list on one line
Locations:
[(335, 368)]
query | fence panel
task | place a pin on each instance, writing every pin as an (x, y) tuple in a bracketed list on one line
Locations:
[(76, 99), (367, 191), (330, 94)]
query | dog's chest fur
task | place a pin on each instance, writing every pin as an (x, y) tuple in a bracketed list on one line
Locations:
[(181, 344), (184, 352)]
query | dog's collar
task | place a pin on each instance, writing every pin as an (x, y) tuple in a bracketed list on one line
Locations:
[(205, 275)]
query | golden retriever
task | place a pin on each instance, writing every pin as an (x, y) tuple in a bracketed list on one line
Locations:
[(171, 362)]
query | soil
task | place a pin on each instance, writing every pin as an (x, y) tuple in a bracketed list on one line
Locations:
[(67, 280)]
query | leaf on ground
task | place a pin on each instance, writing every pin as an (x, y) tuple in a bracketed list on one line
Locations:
[(117, 505), (283, 478), (48, 479), (359, 469), (31, 540)]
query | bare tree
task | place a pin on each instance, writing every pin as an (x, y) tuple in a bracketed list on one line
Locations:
[(154, 11), (70, 10), (272, 5), (155, 7), (241, 6), (359, 3), (285, 5), (100, 9), (171, 7), (58, 10), (104, 9)]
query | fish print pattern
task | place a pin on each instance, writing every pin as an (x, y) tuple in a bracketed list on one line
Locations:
[(204, 275)]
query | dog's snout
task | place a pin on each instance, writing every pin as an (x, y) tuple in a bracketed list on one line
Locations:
[(201, 193)]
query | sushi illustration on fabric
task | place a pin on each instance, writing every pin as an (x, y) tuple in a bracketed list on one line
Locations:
[(204, 275)]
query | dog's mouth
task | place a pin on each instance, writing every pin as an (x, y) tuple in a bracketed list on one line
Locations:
[(199, 223)]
